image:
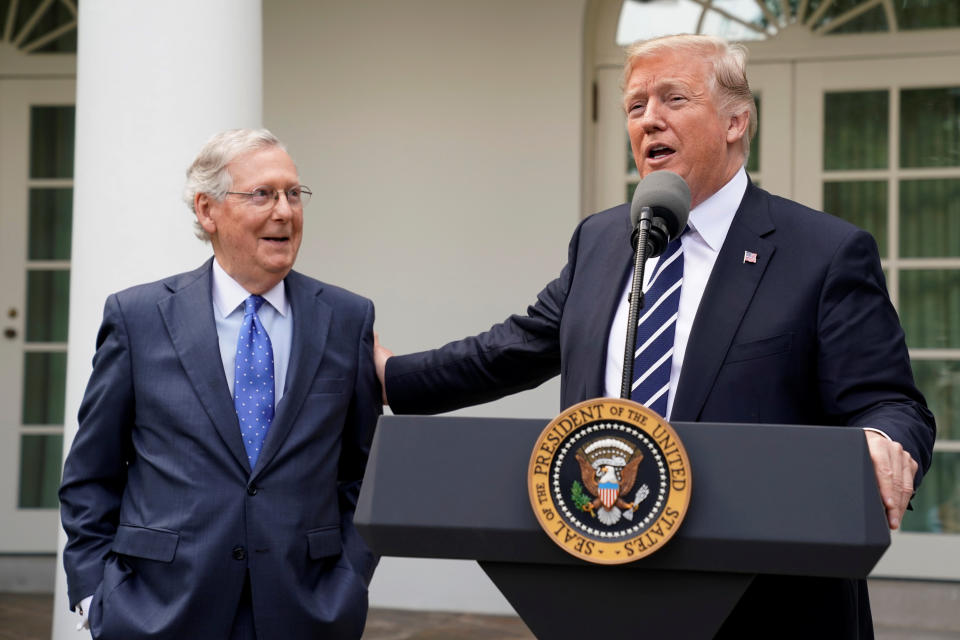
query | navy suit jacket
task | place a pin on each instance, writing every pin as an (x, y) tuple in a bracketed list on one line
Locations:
[(165, 517), (806, 335)]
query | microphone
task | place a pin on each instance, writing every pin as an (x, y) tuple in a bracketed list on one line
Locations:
[(658, 214), (663, 198)]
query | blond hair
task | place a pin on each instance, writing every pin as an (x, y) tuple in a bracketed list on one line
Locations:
[(728, 82)]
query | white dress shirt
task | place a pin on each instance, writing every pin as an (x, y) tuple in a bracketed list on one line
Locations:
[(276, 317), (708, 226)]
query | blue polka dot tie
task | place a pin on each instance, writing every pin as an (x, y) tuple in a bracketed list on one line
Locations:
[(655, 331), (253, 387)]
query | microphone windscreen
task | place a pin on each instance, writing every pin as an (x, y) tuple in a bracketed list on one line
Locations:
[(668, 196)]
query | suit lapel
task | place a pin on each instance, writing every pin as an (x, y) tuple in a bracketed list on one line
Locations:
[(615, 266), (188, 316), (725, 300), (311, 323)]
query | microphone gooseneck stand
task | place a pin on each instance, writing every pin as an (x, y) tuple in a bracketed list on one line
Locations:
[(636, 302)]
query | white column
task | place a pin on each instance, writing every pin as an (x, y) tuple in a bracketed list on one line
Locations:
[(154, 81)]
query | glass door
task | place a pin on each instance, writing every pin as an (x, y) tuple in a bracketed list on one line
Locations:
[(36, 180), (878, 143)]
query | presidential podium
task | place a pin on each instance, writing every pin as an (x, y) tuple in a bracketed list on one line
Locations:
[(772, 499)]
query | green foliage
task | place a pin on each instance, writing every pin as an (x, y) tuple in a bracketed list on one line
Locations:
[(579, 497)]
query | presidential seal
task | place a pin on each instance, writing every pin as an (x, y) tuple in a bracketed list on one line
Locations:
[(609, 481)]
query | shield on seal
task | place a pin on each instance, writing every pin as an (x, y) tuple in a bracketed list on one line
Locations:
[(608, 493)]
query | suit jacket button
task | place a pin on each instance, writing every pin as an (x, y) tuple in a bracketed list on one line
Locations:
[(239, 553), (252, 490)]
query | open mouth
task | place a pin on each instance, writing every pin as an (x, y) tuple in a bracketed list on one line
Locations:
[(276, 239), (659, 151)]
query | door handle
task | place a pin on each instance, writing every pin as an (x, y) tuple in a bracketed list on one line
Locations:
[(10, 333)]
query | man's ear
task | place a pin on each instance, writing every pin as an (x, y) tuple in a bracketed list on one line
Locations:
[(737, 126), (202, 205)]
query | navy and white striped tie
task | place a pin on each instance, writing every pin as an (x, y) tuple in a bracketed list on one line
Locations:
[(655, 331)]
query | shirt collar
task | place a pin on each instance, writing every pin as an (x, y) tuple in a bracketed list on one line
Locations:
[(228, 294), (711, 219)]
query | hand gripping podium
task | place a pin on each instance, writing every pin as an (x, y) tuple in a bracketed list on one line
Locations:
[(771, 499)]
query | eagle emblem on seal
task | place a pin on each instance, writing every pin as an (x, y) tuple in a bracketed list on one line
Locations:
[(608, 469)]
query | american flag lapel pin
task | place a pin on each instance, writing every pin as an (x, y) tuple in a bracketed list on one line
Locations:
[(749, 256)]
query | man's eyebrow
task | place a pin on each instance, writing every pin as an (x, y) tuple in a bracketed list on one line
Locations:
[(672, 84), (661, 86)]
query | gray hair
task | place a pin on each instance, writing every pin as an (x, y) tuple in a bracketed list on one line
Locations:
[(209, 175), (729, 80)]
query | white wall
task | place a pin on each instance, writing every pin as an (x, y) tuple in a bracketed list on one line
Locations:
[(442, 140)]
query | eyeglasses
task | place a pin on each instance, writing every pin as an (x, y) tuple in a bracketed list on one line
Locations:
[(267, 197)]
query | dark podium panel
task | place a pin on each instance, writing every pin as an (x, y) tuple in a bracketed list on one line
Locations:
[(765, 499)]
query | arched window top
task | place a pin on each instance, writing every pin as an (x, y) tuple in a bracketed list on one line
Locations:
[(39, 26), (761, 19)]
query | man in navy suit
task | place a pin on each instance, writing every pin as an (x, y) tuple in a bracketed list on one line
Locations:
[(223, 435), (783, 317)]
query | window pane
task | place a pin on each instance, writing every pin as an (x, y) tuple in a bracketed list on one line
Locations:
[(718, 24), (48, 304), (24, 11), (51, 142), (929, 127), (51, 218), (855, 130), (631, 187), (40, 457), (631, 164), (863, 203), (56, 16), (930, 308), (936, 507), (753, 162), (930, 218), (639, 21), (67, 43), (871, 21), (939, 381), (44, 385), (929, 14)]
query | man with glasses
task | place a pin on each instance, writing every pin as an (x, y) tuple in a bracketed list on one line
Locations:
[(209, 492)]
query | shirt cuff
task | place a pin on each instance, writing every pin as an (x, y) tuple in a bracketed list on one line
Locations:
[(875, 430)]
